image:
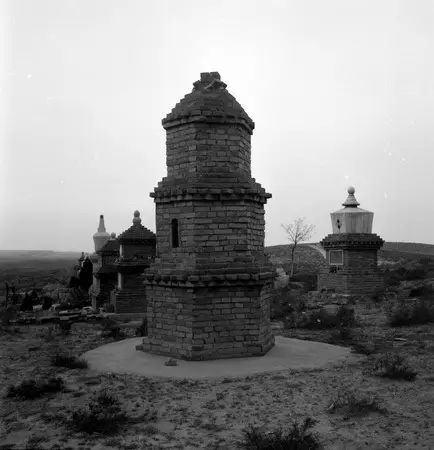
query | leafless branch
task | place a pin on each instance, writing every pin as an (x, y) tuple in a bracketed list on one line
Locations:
[(297, 232)]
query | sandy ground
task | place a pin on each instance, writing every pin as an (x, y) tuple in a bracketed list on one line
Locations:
[(212, 413)]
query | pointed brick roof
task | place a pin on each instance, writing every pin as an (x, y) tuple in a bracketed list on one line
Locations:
[(137, 232), (208, 102), (112, 246)]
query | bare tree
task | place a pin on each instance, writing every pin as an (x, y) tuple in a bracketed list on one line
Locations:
[(297, 231)]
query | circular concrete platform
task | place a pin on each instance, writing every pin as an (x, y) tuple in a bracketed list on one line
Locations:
[(122, 357)]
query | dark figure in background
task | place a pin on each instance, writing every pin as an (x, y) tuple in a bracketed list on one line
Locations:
[(85, 276), (27, 304)]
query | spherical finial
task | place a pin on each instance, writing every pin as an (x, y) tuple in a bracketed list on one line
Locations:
[(137, 219), (113, 235), (351, 201)]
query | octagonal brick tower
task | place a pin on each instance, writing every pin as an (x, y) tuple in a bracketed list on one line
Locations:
[(208, 289)]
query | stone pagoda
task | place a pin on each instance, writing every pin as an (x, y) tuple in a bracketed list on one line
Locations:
[(136, 252), (351, 252), (99, 291), (105, 274), (208, 289)]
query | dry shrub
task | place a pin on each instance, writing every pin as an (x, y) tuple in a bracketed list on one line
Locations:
[(111, 328), (32, 388), (352, 404), (297, 437), (69, 361), (411, 313), (364, 347), (322, 319), (393, 366), (104, 414)]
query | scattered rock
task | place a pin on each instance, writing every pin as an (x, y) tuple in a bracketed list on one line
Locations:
[(171, 362)]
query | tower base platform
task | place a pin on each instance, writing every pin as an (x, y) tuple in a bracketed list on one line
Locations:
[(122, 357)]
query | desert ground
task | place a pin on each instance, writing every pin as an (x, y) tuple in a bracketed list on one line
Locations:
[(375, 413)]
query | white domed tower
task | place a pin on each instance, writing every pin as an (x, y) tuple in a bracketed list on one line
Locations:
[(101, 236), (351, 252)]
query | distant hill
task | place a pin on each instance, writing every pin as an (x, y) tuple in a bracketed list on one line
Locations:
[(409, 247), (34, 268), (309, 259), (40, 255)]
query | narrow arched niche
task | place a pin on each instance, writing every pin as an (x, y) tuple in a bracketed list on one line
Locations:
[(175, 233)]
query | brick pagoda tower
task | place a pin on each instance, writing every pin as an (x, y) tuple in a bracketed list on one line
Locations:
[(103, 279), (351, 252), (136, 252), (208, 290), (104, 272)]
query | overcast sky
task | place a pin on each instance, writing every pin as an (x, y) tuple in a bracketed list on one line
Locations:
[(341, 92)]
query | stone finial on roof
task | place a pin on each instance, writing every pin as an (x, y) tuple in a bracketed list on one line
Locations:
[(351, 201), (136, 232), (137, 219), (209, 81)]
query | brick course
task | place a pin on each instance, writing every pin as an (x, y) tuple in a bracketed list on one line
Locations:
[(359, 272)]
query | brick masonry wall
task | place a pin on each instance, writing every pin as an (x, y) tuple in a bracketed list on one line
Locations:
[(130, 301), (211, 227), (106, 285), (359, 274), (205, 148), (131, 249), (204, 323)]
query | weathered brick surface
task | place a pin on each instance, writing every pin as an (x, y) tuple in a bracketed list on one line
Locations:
[(130, 300), (104, 272), (106, 284), (208, 297), (359, 274), (209, 322)]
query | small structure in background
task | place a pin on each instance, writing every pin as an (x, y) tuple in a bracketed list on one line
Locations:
[(136, 252), (351, 252), (105, 272), (101, 236), (118, 263)]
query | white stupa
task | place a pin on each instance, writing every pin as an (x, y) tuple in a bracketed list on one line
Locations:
[(101, 236)]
